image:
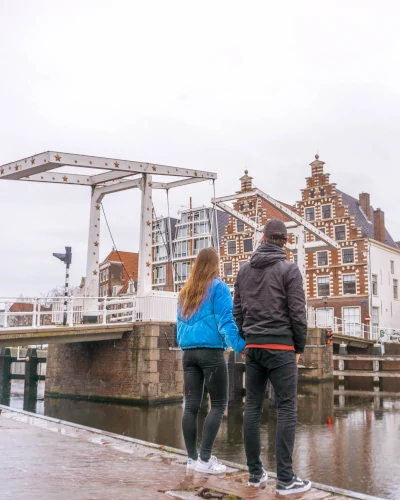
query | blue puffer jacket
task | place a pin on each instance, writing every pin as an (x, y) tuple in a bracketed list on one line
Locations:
[(212, 325)]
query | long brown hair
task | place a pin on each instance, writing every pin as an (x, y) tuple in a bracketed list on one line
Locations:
[(205, 269)]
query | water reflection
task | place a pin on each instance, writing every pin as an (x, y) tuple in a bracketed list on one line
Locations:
[(348, 442)]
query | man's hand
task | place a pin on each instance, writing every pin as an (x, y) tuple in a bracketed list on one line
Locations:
[(243, 354), (297, 358)]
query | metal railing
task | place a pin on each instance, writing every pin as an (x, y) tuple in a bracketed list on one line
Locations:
[(316, 319), (33, 312)]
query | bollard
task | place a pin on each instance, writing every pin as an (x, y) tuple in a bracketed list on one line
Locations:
[(31, 380), (343, 349), (5, 376), (377, 350)]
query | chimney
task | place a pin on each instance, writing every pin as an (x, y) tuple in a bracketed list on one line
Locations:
[(379, 226), (365, 204), (246, 184)]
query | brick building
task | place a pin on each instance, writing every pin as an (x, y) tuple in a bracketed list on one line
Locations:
[(358, 280), (237, 242), (118, 274)]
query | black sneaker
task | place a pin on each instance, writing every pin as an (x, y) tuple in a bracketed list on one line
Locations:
[(258, 481), (296, 485)]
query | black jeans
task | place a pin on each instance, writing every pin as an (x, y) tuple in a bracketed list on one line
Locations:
[(281, 368), (203, 366)]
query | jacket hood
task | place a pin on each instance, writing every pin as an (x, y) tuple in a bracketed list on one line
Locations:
[(266, 255)]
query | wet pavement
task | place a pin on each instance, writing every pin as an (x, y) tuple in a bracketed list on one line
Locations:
[(47, 459), (348, 441)]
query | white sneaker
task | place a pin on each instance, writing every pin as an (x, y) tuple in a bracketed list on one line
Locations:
[(210, 467), (258, 481), (191, 464)]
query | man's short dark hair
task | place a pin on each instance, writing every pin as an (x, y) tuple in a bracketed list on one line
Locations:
[(275, 232)]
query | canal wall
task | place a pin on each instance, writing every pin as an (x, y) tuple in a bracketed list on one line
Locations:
[(316, 364), (140, 368)]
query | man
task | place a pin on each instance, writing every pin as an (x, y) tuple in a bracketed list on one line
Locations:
[(270, 312)]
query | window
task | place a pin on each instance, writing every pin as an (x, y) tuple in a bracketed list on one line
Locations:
[(201, 215), (295, 259), (326, 211), (310, 214), (131, 287), (114, 291), (181, 249), (374, 284), (250, 205), (324, 317), (322, 192), (183, 231), (242, 262), (348, 255), (255, 219), (228, 269), (396, 289), (185, 217), (231, 247), (349, 284), (340, 233), (312, 194), (182, 271), (159, 275), (247, 245), (375, 322), (322, 259), (239, 226), (392, 266), (241, 206), (107, 274), (351, 321), (160, 252), (201, 228), (323, 286), (199, 244)]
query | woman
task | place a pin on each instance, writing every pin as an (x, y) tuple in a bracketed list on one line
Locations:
[(205, 329)]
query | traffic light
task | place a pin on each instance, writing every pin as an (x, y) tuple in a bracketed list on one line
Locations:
[(328, 337), (65, 257)]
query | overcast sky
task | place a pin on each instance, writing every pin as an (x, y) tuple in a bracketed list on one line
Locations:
[(213, 85)]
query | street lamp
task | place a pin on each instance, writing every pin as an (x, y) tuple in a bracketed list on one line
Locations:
[(66, 258)]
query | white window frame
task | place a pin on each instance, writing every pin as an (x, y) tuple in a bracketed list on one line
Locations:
[(354, 255), (160, 280), (355, 283), (237, 228), (306, 209), (392, 266), (395, 289), (351, 328), (114, 291), (248, 251), (324, 295), (204, 239), (327, 258), (331, 212), (372, 285), (227, 247), (227, 263), (345, 232), (328, 317)]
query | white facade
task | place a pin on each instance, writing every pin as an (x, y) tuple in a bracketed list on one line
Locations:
[(384, 278)]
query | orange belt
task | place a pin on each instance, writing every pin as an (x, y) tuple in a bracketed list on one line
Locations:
[(278, 347)]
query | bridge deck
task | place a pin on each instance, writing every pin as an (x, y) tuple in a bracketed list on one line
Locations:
[(62, 334)]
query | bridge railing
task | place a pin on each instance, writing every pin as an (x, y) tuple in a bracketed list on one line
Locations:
[(317, 319), (33, 312)]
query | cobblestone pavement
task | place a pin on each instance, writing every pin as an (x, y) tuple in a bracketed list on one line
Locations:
[(42, 458)]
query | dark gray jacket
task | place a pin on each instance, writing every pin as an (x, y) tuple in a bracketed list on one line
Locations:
[(269, 303)]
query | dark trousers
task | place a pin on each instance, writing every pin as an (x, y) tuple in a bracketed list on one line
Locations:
[(203, 366), (281, 368)]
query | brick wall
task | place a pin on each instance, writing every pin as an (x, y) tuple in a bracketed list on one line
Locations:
[(318, 361), (138, 369)]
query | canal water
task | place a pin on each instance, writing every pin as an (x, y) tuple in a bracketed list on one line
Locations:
[(350, 442)]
